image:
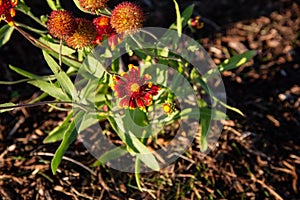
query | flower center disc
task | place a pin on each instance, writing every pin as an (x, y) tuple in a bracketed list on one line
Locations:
[(135, 87)]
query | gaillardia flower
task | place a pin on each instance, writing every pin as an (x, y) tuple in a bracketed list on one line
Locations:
[(104, 29), (126, 17), (61, 24), (196, 23), (168, 108), (93, 5), (7, 11), (133, 90), (84, 35)]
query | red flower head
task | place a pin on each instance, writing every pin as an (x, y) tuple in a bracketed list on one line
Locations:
[(103, 27), (126, 17), (84, 35), (133, 90), (7, 11), (93, 5), (61, 24)]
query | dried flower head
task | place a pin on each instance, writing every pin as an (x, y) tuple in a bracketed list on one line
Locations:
[(133, 90), (84, 35), (61, 24), (126, 17), (93, 5), (7, 11)]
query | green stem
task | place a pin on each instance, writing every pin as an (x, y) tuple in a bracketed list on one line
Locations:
[(52, 4), (58, 4), (30, 28), (39, 44), (75, 104), (31, 15)]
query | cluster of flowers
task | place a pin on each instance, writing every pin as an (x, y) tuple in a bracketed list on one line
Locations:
[(133, 90), (79, 32), (7, 11)]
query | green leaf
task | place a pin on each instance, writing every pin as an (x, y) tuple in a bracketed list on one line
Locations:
[(2, 109), (135, 145), (142, 151), (139, 117), (66, 60), (56, 47), (185, 16), (69, 136), (137, 170), (5, 34), (237, 60), (50, 89), (88, 120), (21, 6), (231, 63), (25, 73), (63, 79), (51, 4), (178, 19), (205, 125), (229, 107), (212, 114), (111, 155), (57, 133)]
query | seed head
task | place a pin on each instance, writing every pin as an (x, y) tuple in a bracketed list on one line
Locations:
[(84, 35), (126, 17), (61, 24), (93, 5)]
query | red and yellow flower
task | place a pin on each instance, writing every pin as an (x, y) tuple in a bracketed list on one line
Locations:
[(133, 90), (104, 29), (7, 11)]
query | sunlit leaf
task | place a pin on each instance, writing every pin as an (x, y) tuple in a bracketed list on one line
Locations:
[(61, 76), (64, 50), (51, 89), (25, 73), (5, 34), (178, 19), (57, 133), (69, 136), (111, 155), (3, 109), (237, 60), (137, 171)]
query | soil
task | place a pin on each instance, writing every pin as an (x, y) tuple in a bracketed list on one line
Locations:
[(256, 157)]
